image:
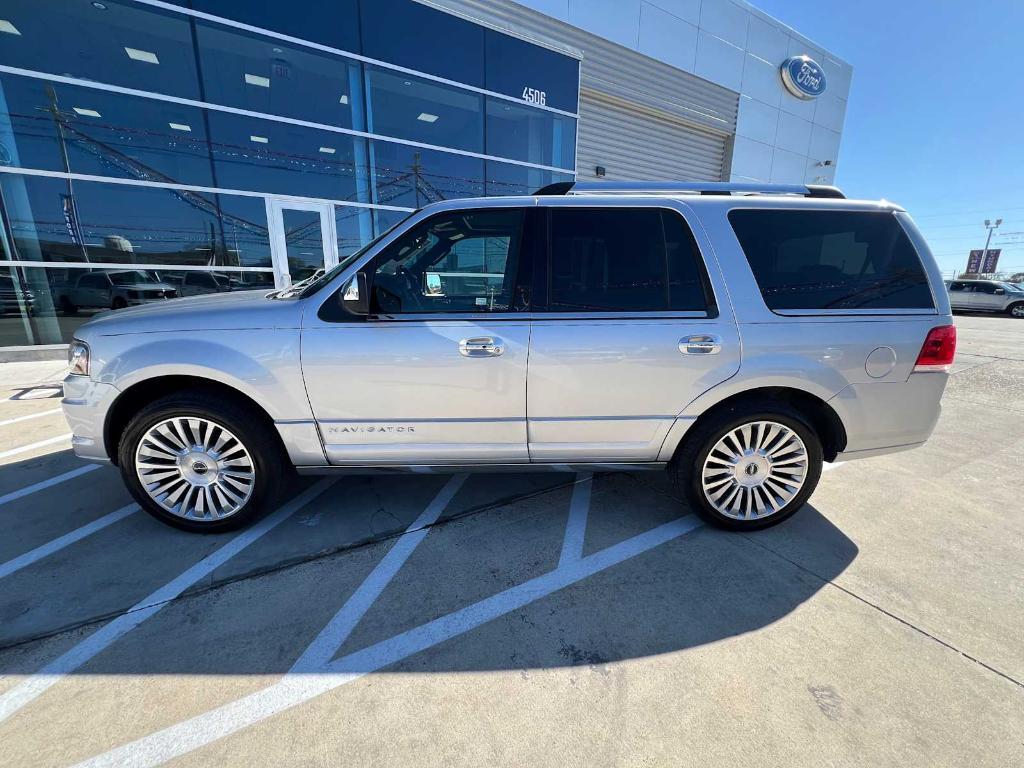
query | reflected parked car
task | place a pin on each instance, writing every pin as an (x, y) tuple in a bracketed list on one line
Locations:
[(114, 290), (201, 283)]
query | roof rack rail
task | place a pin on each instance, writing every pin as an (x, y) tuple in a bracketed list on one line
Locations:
[(687, 188)]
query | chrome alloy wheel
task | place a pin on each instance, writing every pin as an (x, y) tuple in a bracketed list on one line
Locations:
[(195, 468), (754, 470), (1017, 310)]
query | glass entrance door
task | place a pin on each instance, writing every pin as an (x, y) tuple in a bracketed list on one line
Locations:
[(302, 239)]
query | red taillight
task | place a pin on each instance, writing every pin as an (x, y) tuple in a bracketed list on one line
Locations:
[(938, 350)]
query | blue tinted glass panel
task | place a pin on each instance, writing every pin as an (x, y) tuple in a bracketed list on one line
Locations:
[(102, 133), (514, 65), (83, 221), (421, 110), (411, 177), (354, 227), (519, 132), (266, 75), (412, 35), (268, 156), (383, 220), (124, 44), (330, 22), (508, 179), (243, 224)]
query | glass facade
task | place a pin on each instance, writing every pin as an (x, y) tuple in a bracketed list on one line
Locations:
[(142, 148)]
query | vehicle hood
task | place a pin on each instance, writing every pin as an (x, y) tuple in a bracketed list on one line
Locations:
[(238, 310)]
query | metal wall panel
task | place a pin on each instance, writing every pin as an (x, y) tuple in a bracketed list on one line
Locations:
[(639, 118), (635, 144)]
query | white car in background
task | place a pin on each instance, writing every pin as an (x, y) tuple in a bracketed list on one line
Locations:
[(986, 296)]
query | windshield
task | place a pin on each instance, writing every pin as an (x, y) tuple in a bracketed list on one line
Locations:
[(1014, 287), (310, 286), (134, 276)]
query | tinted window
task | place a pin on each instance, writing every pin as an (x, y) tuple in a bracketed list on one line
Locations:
[(331, 22), (412, 35), (832, 259), (984, 288), (958, 286), (514, 65), (526, 133), (623, 260), (464, 261)]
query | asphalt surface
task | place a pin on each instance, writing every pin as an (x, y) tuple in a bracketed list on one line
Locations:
[(542, 619)]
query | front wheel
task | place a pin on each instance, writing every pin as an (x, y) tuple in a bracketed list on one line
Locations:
[(750, 466), (201, 463), (1016, 310)]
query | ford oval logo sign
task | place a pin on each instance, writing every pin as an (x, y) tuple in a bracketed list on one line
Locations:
[(803, 77)]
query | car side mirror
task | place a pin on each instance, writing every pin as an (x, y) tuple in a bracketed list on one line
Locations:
[(1000, 291), (355, 296)]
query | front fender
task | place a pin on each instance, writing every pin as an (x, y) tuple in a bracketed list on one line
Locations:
[(262, 364)]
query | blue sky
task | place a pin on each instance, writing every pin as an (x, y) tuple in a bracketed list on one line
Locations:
[(935, 119)]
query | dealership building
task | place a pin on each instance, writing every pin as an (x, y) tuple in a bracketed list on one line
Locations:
[(151, 149)]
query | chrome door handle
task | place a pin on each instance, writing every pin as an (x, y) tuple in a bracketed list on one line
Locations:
[(481, 346), (701, 344)]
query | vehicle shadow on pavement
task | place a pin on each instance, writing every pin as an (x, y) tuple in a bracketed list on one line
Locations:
[(697, 588)]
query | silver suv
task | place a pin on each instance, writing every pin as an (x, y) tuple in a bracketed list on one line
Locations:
[(986, 296), (737, 335)]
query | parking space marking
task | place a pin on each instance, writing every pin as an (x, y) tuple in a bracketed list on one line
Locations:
[(332, 636), (44, 484), (33, 446), (36, 684), (44, 550), (576, 524), (295, 689), (19, 419)]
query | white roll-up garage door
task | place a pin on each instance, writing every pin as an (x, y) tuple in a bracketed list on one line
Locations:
[(631, 142)]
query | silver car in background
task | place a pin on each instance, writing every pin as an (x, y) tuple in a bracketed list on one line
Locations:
[(737, 335), (986, 296)]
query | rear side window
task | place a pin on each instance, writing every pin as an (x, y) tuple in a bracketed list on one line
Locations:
[(623, 260), (832, 259)]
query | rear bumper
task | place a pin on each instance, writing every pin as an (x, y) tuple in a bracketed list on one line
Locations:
[(85, 404), (888, 417)]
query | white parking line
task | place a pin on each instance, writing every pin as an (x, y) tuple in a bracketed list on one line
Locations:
[(295, 689), (44, 484), (338, 629), (576, 525), (22, 561), (35, 685), (33, 446), (20, 419)]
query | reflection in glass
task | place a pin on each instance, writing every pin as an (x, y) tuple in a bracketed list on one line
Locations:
[(45, 305), (268, 156), (411, 177), (513, 64), (526, 133), (421, 110), (120, 43), (354, 228), (245, 70), (508, 179), (331, 22), (304, 242), (410, 34), (85, 221)]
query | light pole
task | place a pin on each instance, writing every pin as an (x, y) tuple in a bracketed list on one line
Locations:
[(984, 254)]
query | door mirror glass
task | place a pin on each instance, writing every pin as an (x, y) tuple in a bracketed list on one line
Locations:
[(355, 296), (432, 284), (1000, 291)]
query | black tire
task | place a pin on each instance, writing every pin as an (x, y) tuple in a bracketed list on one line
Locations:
[(686, 467), (67, 307), (1016, 310), (252, 430)]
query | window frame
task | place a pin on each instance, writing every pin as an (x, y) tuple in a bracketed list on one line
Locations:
[(542, 292), (330, 311), (825, 312)]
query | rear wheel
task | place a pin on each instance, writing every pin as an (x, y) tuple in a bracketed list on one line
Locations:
[(201, 463), (750, 466), (1017, 310)]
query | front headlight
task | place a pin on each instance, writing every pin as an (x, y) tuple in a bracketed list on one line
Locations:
[(78, 358)]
